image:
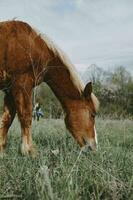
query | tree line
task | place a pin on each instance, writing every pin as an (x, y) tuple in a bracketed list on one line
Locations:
[(115, 93)]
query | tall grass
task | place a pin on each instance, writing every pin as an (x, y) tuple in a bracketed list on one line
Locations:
[(62, 171)]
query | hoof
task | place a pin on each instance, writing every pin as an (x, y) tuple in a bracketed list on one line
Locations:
[(29, 151), (33, 152)]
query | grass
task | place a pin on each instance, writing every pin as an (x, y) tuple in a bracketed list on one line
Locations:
[(62, 172)]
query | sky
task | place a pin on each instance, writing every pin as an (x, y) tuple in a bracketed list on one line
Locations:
[(89, 31)]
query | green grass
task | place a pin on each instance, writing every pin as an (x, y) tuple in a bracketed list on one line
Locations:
[(67, 173)]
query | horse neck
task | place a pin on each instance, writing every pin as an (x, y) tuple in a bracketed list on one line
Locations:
[(59, 79)]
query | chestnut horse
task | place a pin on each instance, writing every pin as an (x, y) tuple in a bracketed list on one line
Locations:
[(28, 58)]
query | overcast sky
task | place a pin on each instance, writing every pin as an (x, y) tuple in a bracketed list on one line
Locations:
[(89, 31)]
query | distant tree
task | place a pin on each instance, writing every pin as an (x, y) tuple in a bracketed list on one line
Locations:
[(120, 77), (117, 95)]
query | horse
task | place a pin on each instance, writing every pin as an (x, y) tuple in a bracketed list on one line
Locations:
[(28, 58)]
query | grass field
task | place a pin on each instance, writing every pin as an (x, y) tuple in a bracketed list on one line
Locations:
[(62, 172)]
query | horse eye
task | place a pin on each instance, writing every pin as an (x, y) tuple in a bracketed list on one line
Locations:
[(93, 115)]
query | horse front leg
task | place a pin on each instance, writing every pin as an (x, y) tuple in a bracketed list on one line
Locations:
[(23, 100), (6, 119)]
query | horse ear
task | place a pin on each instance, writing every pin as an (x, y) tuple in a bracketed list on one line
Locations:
[(88, 90)]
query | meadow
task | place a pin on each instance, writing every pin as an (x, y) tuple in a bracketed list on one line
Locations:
[(62, 172)]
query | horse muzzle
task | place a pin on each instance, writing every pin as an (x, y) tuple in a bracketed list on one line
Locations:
[(91, 145)]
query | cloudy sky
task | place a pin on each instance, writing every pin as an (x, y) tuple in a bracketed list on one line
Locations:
[(89, 31)]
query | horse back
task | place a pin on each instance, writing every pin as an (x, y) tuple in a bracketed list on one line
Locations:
[(21, 47)]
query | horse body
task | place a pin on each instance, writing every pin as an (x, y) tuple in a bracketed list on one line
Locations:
[(26, 59)]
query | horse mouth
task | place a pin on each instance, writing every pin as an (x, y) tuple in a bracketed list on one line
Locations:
[(88, 148), (90, 145)]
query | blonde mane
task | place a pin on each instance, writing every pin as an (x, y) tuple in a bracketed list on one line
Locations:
[(64, 58), (68, 64)]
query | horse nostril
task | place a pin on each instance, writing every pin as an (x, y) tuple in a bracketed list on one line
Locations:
[(87, 148), (90, 148), (91, 144)]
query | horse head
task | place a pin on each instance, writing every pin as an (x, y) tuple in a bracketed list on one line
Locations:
[(80, 118)]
